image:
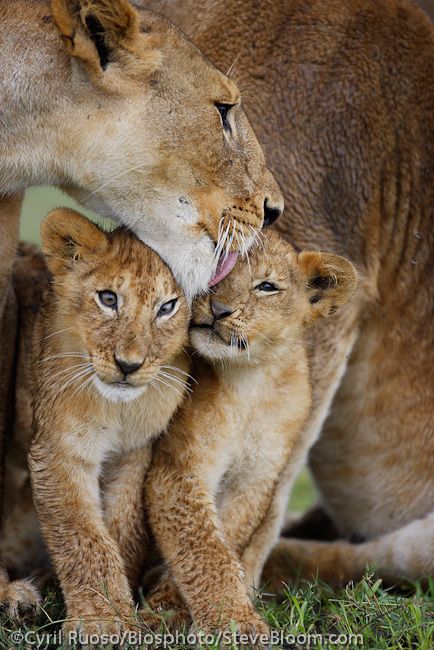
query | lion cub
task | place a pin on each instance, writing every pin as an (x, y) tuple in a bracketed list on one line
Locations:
[(108, 372), (218, 485)]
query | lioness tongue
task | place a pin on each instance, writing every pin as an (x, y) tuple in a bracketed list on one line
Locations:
[(224, 267)]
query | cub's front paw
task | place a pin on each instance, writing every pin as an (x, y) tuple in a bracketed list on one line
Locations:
[(243, 624), (172, 620), (165, 609), (88, 631), (19, 599)]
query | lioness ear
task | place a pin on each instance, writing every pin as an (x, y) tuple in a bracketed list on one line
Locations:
[(96, 30), (330, 281), (68, 236)]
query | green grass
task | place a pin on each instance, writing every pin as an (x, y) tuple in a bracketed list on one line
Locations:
[(312, 615), (384, 619)]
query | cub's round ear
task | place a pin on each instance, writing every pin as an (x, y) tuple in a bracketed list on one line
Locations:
[(330, 281), (68, 236), (99, 31)]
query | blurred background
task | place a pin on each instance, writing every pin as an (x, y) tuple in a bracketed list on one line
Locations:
[(428, 6)]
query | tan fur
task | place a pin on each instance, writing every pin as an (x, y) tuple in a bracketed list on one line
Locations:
[(15, 596), (123, 115), (340, 94), (21, 545), (91, 446), (119, 108), (340, 562), (219, 480)]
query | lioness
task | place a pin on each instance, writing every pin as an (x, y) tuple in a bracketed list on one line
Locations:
[(118, 107), (341, 93), (108, 372), (219, 480)]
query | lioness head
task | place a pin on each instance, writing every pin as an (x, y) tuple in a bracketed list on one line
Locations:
[(268, 299), (158, 139), (123, 315)]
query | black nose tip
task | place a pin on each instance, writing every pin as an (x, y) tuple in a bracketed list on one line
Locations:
[(219, 310), (271, 213), (126, 367)]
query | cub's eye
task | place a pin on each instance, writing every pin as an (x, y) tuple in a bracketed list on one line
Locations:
[(267, 287), (224, 109), (167, 308), (108, 299)]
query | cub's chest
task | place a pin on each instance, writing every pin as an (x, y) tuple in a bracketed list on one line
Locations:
[(115, 431), (257, 429)]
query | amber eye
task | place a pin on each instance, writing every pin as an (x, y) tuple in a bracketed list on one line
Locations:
[(167, 308), (268, 287), (224, 109), (108, 298)]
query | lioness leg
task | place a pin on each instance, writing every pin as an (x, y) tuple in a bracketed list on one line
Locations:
[(20, 595), (405, 553), (313, 524), (125, 512), (86, 558), (374, 461)]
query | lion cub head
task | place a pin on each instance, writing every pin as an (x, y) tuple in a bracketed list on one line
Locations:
[(268, 299), (119, 316)]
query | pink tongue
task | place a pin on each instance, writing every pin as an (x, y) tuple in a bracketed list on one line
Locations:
[(224, 267)]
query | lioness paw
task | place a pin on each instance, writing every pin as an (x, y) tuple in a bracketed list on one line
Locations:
[(19, 598)]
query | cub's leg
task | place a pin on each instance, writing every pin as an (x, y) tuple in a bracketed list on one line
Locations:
[(251, 519), (125, 511), (86, 558), (166, 598), (405, 553), (254, 511), (184, 519), (18, 597)]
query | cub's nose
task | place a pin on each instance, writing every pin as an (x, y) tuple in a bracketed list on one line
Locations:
[(219, 310), (271, 212), (127, 367)]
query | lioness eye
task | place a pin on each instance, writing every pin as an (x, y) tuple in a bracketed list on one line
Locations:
[(266, 286), (108, 298), (167, 308), (224, 109)]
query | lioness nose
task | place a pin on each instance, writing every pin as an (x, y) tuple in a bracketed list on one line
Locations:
[(127, 367), (219, 310), (271, 212)]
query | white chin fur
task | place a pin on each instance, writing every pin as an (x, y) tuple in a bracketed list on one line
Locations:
[(210, 347), (114, 393)]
